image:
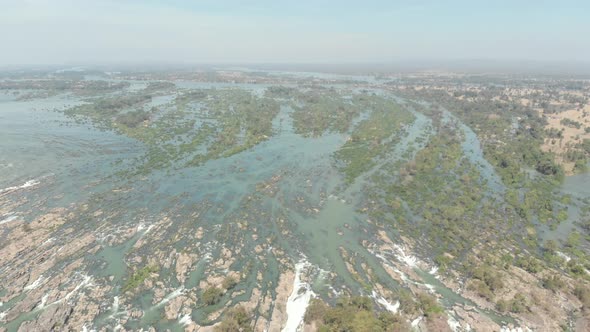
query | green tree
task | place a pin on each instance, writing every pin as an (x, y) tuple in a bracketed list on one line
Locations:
[(212, 295), (229, 282), (235, 319)]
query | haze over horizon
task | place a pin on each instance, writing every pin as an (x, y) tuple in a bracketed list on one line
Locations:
[(109, 32)]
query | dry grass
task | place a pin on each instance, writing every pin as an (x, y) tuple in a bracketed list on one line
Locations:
[(571, 135)]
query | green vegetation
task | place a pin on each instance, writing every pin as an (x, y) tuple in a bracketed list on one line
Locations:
[(104, 111), (511, 137), (582, 292), (235, 319), (319, 111), (442, 189), (553, 283), (517, 305), (242, 119), (281, 92), (580, 155), (486, 281), (200, 125), (554, 133), (570, 123), (132, 119), (428, 305), (529, 264), (44, 88), (212, 295), (510, 150), (352, 314), (139, 277), (373, 136), (229, 283)]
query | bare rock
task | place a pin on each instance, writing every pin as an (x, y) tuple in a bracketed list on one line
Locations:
[(53, 318), (437, 323), (279, 312), (136, 313), (183, 263)]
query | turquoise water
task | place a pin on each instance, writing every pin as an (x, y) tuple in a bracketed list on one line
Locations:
[(578, 188), (40, 144)]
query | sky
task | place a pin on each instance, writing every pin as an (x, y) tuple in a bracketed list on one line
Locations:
[(298, 31)]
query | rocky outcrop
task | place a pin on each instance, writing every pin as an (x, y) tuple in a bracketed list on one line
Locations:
[(183, 263), (172, 308), (279, 312), (51, 319)]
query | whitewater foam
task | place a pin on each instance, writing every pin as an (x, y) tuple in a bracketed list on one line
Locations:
[(175, 293), (385, 262), (142, 227), (298, 300), (115, 309), (43, 301), (515, 329), (434, 271), (416, 321), (185, 320), (8, 219), (35, 283), (115, 304), (388, 306), (48, 241), (410, 260), (86, 282), (453, 322), (30, 183), (430, 288), (85, 329), (564, 256)]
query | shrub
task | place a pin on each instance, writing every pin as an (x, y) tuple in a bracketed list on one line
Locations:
[(570, 123), (229, 283), (529, 264), (315, 311), (583, 294), (352, 314), (428, 304), (481, 289), (553, 283), (502, 306), (518, 304), (133, 118), (393, 322), (235, 319), (488, 281), (575, 268), (212, 295), (138, 277)]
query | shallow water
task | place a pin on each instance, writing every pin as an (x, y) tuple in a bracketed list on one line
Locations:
[(578, 187)]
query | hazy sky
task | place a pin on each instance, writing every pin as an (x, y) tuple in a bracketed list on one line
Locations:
[(302, 31)]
